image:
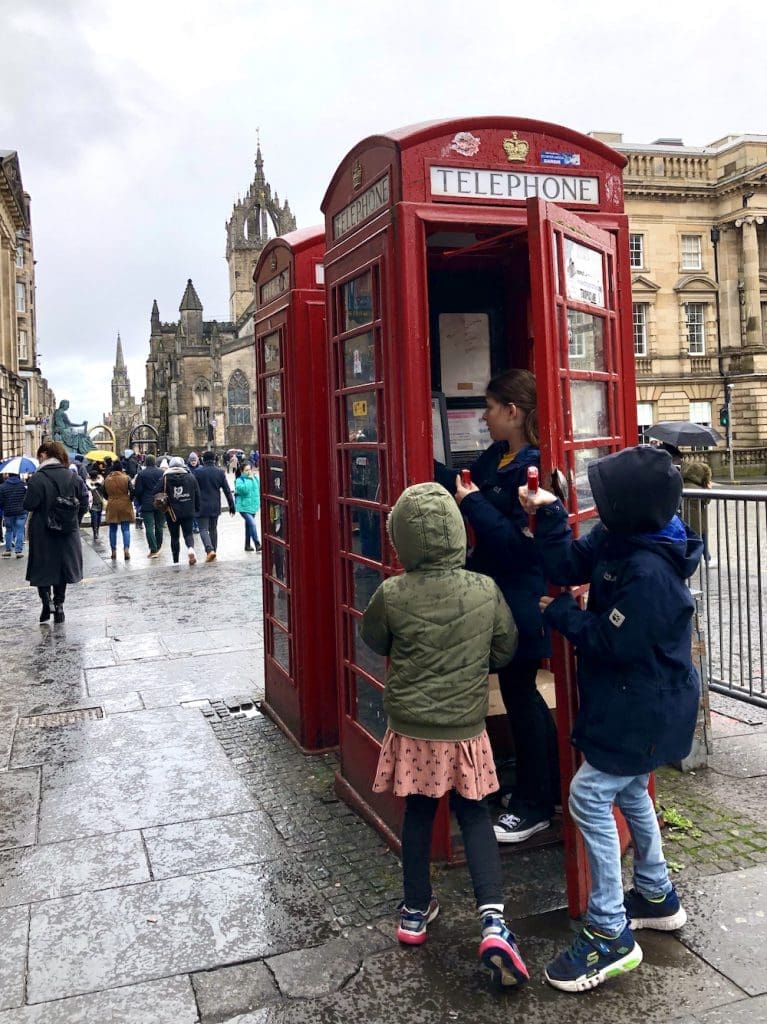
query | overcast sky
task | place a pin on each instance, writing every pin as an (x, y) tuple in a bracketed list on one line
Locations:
[(135, 123)]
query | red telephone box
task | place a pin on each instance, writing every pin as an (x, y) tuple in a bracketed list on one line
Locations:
[(457, 249), (293, 438)]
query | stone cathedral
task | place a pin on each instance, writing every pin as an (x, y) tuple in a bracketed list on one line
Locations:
[(201, 374)]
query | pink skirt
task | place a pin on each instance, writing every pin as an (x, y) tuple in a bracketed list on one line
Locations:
[(434, 767)]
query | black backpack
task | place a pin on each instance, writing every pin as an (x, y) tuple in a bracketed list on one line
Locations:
[(63, 511)]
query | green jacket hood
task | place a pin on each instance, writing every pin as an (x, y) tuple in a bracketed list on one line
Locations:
[(427, 530)]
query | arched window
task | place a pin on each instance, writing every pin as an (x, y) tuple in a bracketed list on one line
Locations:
[(201, 404), (238, 399)]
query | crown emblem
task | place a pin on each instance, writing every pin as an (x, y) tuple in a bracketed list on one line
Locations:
[(356, 174), (516, 149)]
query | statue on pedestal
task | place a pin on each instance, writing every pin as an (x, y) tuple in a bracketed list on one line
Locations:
[(64, 431)]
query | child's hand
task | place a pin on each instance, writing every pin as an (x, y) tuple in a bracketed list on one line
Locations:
[(544, 602), (461, 490), (532, 501)]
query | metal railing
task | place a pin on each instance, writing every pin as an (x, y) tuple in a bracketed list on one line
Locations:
[(733, 582)]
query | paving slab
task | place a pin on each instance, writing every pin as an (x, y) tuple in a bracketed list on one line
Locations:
[(14, 926), (138, 648), (7, 725), (316, 971), (228, 991), (26, 697), (169, 1001), (747, 1011), (222, 674), (208, 845), (172, 696), (727, 925), (122, 936), (124, 737), (744, 757), (162, 786), (19, 800), (231, 638), (81, 865)]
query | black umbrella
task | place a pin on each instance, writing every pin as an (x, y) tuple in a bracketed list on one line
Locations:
[(684, 434)]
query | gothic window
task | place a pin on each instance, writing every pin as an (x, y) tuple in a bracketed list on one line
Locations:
[(238, 399), (201, 404)]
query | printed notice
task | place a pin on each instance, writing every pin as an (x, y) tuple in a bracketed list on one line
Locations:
[(468, 431), (464, 351), (583, 270)]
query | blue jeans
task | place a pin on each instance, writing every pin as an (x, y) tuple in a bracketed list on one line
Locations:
[(592, 794), (251, 531), (14, 532), (125, 527)]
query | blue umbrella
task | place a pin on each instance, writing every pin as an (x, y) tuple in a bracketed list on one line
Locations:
[(19, 464)]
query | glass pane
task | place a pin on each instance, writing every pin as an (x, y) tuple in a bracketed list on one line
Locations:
[(272, 359), (277, 520), (366, 533), (280, 648), (583, 270), (361, 416), (363, 657), (276, 482), (583, 457), (274, 442), (363, 479), (370, 710), (365, 582), (586, 341), (358, 301), (588, 401), (280, 604), (277, 562), (359, 359), (274, 393)]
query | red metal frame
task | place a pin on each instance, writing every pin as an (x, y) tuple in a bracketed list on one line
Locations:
[(299, 643), (392, 234)]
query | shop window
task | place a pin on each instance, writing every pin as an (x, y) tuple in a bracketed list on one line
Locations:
[(21, 297), (636, 251), (238, 399), (692, 253), (696, 328), (639, 311), (700, 412)]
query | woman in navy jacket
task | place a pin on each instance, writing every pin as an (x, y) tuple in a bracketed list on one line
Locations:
[(504, 550)]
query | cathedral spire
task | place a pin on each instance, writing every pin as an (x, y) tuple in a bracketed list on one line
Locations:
[(119, 359), (190, 298)]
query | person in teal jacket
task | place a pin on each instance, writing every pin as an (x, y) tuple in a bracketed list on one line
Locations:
[(247, 501)]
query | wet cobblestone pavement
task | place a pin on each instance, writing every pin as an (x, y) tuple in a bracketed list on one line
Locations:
[(177, 861)]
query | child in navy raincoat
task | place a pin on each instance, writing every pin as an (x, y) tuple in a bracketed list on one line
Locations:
[(637, 686)]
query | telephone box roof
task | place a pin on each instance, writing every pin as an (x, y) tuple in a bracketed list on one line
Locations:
[(415, 134)]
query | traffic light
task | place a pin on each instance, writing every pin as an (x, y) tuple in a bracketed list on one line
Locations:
[(724, 416)]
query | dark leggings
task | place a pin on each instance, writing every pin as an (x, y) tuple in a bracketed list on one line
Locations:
[(176, 526), (478, 839), (535, 736), (59, 593)]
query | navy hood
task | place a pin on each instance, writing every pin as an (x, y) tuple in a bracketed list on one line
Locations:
[(637, 490)]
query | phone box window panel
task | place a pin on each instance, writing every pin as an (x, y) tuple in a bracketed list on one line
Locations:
[(280, 604), (277, 562), (276, 515), (362, 656), (274, 438), (358, 301), (272, 352), (280, 647), (582, 458), (365, 582), (276, 479), (586, 341), (363, 480), (588, 401), (359, 360), (362, 416), (370, 711), (273, 389)]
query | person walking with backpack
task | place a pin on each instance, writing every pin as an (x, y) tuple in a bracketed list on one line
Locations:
[(12, 494), (183, 506), (442, 627), (55, 551), (212, 481)]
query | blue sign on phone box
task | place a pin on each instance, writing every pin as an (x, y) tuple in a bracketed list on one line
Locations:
[(564, 159)]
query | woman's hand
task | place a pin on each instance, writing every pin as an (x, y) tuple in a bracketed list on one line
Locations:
[(544, 602), (533, 500), (461, 490)]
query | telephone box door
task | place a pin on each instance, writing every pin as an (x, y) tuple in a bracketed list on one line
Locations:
[(586, 410)]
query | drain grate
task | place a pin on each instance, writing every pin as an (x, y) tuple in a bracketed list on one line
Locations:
[(55, 718)]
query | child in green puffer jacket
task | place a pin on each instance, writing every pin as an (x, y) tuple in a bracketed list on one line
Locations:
[(442, 628)]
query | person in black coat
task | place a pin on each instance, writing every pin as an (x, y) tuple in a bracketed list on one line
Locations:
[(212, 482), (55, 556), (144, 490), (183, 506)]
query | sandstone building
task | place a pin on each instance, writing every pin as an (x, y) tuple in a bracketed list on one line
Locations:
[(698, 254), (201, 374), (26, 401)]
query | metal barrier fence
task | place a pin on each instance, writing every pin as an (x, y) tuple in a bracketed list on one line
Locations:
[(733, 586)]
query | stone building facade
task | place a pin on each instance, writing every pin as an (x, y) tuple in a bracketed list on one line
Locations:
[(201, 374), (26, 400), (698, 253)]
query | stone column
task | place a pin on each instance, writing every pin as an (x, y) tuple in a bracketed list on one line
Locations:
[(748, 227)]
